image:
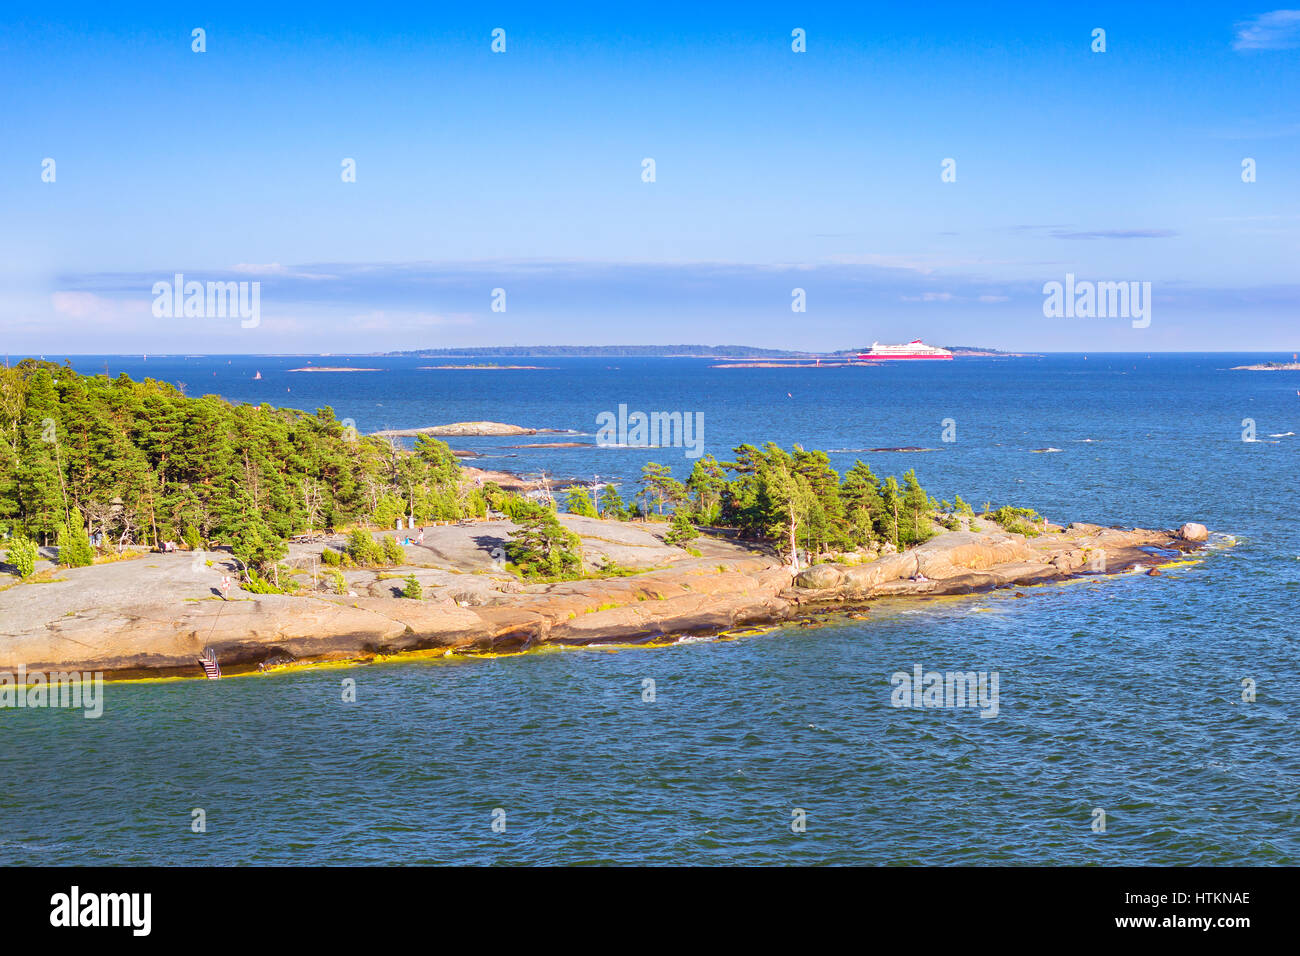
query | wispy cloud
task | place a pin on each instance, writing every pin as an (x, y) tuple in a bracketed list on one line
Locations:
[(1115, 234), (379, 306), (275, 269), (382, 321), (1068, 231), (1277, 30)]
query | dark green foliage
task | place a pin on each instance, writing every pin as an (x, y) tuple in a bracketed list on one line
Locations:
[(706, 485), (659, 487), (682, 531), (611, 505), (412, 588), (795, 500), (543, 548), (140, 463), (915, 511)]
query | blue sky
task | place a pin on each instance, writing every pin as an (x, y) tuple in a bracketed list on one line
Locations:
[(774, 170)]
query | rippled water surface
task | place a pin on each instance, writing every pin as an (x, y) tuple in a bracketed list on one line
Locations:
[(1123, 694)]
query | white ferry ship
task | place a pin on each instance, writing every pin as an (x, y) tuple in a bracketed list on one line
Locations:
[(915, 349)]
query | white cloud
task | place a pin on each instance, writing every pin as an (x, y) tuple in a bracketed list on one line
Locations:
[(381, 321), (275, 269), (1278, 30)]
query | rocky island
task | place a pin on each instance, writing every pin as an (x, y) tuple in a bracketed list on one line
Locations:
[(142, 529), (1269, 367), (464, 429), (154, 615)]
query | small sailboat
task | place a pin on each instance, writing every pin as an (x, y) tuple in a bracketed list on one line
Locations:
[(257, 377)]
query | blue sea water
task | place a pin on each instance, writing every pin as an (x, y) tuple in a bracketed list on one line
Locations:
[(1122, 694)]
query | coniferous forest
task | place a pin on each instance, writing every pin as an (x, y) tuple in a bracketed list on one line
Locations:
[(128, 462)]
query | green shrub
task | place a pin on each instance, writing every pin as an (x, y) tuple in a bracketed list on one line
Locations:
[(476, 504), (339, 581), (394, 553), (74, 546), (1017, 520), (578, 501), (682, 532), (412, 589), (22, 554), (363, 550), (257, 584), (517, 506)]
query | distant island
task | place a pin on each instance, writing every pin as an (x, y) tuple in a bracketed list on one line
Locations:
[(334, 368), (1269, 367), (488, 366), (665, 351), (607, 351)]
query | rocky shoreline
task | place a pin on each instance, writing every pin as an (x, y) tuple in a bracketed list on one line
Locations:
[(153, 616), (1268, 367)]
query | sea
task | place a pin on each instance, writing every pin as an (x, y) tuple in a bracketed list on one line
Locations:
[(1141, 720)]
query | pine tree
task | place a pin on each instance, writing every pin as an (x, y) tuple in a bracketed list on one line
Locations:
[(863, 507), (784, 500), (706, 485), (891, 497), (40, 482), (542, 547), (682, 531), (659, 486), (611, 505), (916, 506), (74, 545)]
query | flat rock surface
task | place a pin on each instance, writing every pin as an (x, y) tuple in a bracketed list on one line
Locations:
[(157, 612), (463, 428)]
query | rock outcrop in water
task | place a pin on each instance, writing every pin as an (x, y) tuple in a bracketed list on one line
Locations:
[(155, 615), (463, 429)]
